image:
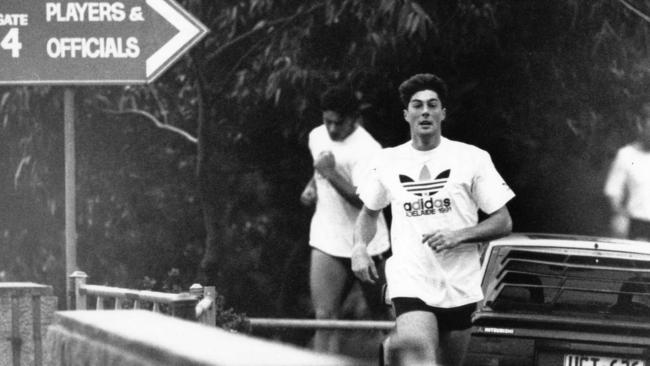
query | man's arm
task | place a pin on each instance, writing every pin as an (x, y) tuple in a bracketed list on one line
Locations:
[(309, 194), (496, 225), (619, 222), (617, 194), (325, 165), (365, 229)]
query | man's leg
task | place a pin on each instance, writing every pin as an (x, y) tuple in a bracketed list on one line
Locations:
[(453, 346), (419, 328), (328, 279)]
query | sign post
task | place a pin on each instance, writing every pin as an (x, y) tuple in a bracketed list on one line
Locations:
[(70, 196), (68, 42)]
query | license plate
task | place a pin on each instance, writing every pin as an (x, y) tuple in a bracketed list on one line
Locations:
[(587, 360)]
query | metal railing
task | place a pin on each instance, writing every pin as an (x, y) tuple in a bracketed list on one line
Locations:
[(198, 304), (325, 324)]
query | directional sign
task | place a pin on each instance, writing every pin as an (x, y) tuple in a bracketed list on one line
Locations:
[(92, 42)]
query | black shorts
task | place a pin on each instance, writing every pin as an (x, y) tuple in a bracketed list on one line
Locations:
[(457, 318), (639, 229)]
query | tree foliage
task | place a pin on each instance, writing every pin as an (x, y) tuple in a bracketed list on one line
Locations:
[(201, 170)]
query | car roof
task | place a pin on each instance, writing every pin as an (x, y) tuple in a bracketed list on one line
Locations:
[(572, 241)]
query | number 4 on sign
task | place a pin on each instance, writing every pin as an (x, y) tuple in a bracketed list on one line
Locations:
[(11, 42)]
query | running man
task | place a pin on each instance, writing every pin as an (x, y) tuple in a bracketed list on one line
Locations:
[(340, 148), (435, 187)]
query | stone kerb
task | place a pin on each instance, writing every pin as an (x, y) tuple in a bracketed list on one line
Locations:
[(143, 338), (26, 310)]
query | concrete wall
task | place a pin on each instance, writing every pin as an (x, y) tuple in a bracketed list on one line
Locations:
[(26, 310), (142, 338)]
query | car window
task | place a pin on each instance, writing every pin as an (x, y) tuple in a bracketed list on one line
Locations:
[(567, 281)]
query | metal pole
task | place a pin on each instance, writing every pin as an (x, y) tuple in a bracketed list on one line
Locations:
[(330, 324), (79, 279), (70, 199)]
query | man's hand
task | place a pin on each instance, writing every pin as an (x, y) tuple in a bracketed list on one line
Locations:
[(362, 265), (309, 194), (619, 225), (325, 163), (440, 240)]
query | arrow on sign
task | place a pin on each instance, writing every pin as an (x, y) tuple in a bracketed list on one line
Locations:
[(187, 31), (91, 42)]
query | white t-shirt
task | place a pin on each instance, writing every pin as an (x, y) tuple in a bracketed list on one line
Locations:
[(628, 182), (332, 225), (441, 188)]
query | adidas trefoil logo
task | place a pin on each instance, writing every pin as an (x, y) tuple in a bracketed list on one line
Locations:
[(425, 186)]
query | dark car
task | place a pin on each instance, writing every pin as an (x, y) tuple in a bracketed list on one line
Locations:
[(563, 300)]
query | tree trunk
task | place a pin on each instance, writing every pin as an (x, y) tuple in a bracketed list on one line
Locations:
[(207, 185)]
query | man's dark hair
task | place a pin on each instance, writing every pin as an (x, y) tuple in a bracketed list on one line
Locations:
[(339, 99), (419, 82)]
